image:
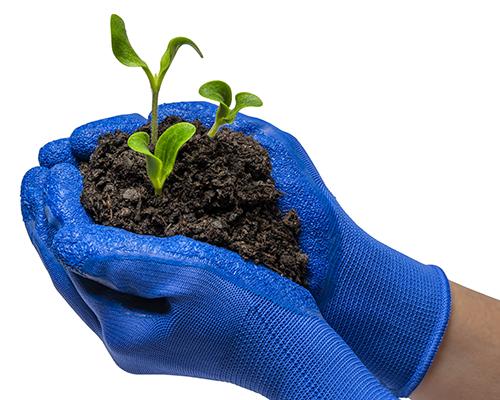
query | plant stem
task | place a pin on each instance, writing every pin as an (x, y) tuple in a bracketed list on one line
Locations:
[(213, 130), (154, 117), (158, 191)]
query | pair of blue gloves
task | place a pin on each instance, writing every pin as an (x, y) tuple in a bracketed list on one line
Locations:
[(368, 326)]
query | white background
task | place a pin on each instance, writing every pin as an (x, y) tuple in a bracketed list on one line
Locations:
[(396, 102)]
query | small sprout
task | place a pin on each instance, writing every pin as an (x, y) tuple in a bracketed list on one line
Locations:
[(159, 165), (123, 51), (221, 92)]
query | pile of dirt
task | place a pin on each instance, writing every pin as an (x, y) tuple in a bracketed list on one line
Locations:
[(220, 192)]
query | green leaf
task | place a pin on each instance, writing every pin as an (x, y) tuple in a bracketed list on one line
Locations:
[(221, 92), (169, 144), (218, 91), (245, 99), (139, 142), (173, 46), (122, 49)]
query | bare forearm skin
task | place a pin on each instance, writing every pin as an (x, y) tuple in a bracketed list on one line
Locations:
[(467, 365)]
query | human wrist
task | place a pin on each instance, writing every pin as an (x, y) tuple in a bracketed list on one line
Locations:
[(467, 361)]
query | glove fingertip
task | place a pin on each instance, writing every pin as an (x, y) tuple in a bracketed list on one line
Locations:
[(70, 248), (32, 187), (64, 187), (56, 152)]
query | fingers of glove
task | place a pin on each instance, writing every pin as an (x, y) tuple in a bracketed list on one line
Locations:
[(56, 152), (303, 191), (153, 267), (64, 187), (41, 234), (84, 139)]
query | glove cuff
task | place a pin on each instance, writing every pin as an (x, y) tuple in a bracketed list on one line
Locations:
[(435, 337), (390, 309)]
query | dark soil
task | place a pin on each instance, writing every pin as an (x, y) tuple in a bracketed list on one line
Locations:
[(220, 192)]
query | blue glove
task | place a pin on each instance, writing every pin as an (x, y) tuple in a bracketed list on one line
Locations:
[(182, 307), (34, 211), (390, 309)]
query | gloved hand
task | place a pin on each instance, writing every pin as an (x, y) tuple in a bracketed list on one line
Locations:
[(34, 209), (178, 306), (390, 309)]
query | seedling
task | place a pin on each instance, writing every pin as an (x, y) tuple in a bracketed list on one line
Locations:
[(221, 92), (123, 51), (159, 165)]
